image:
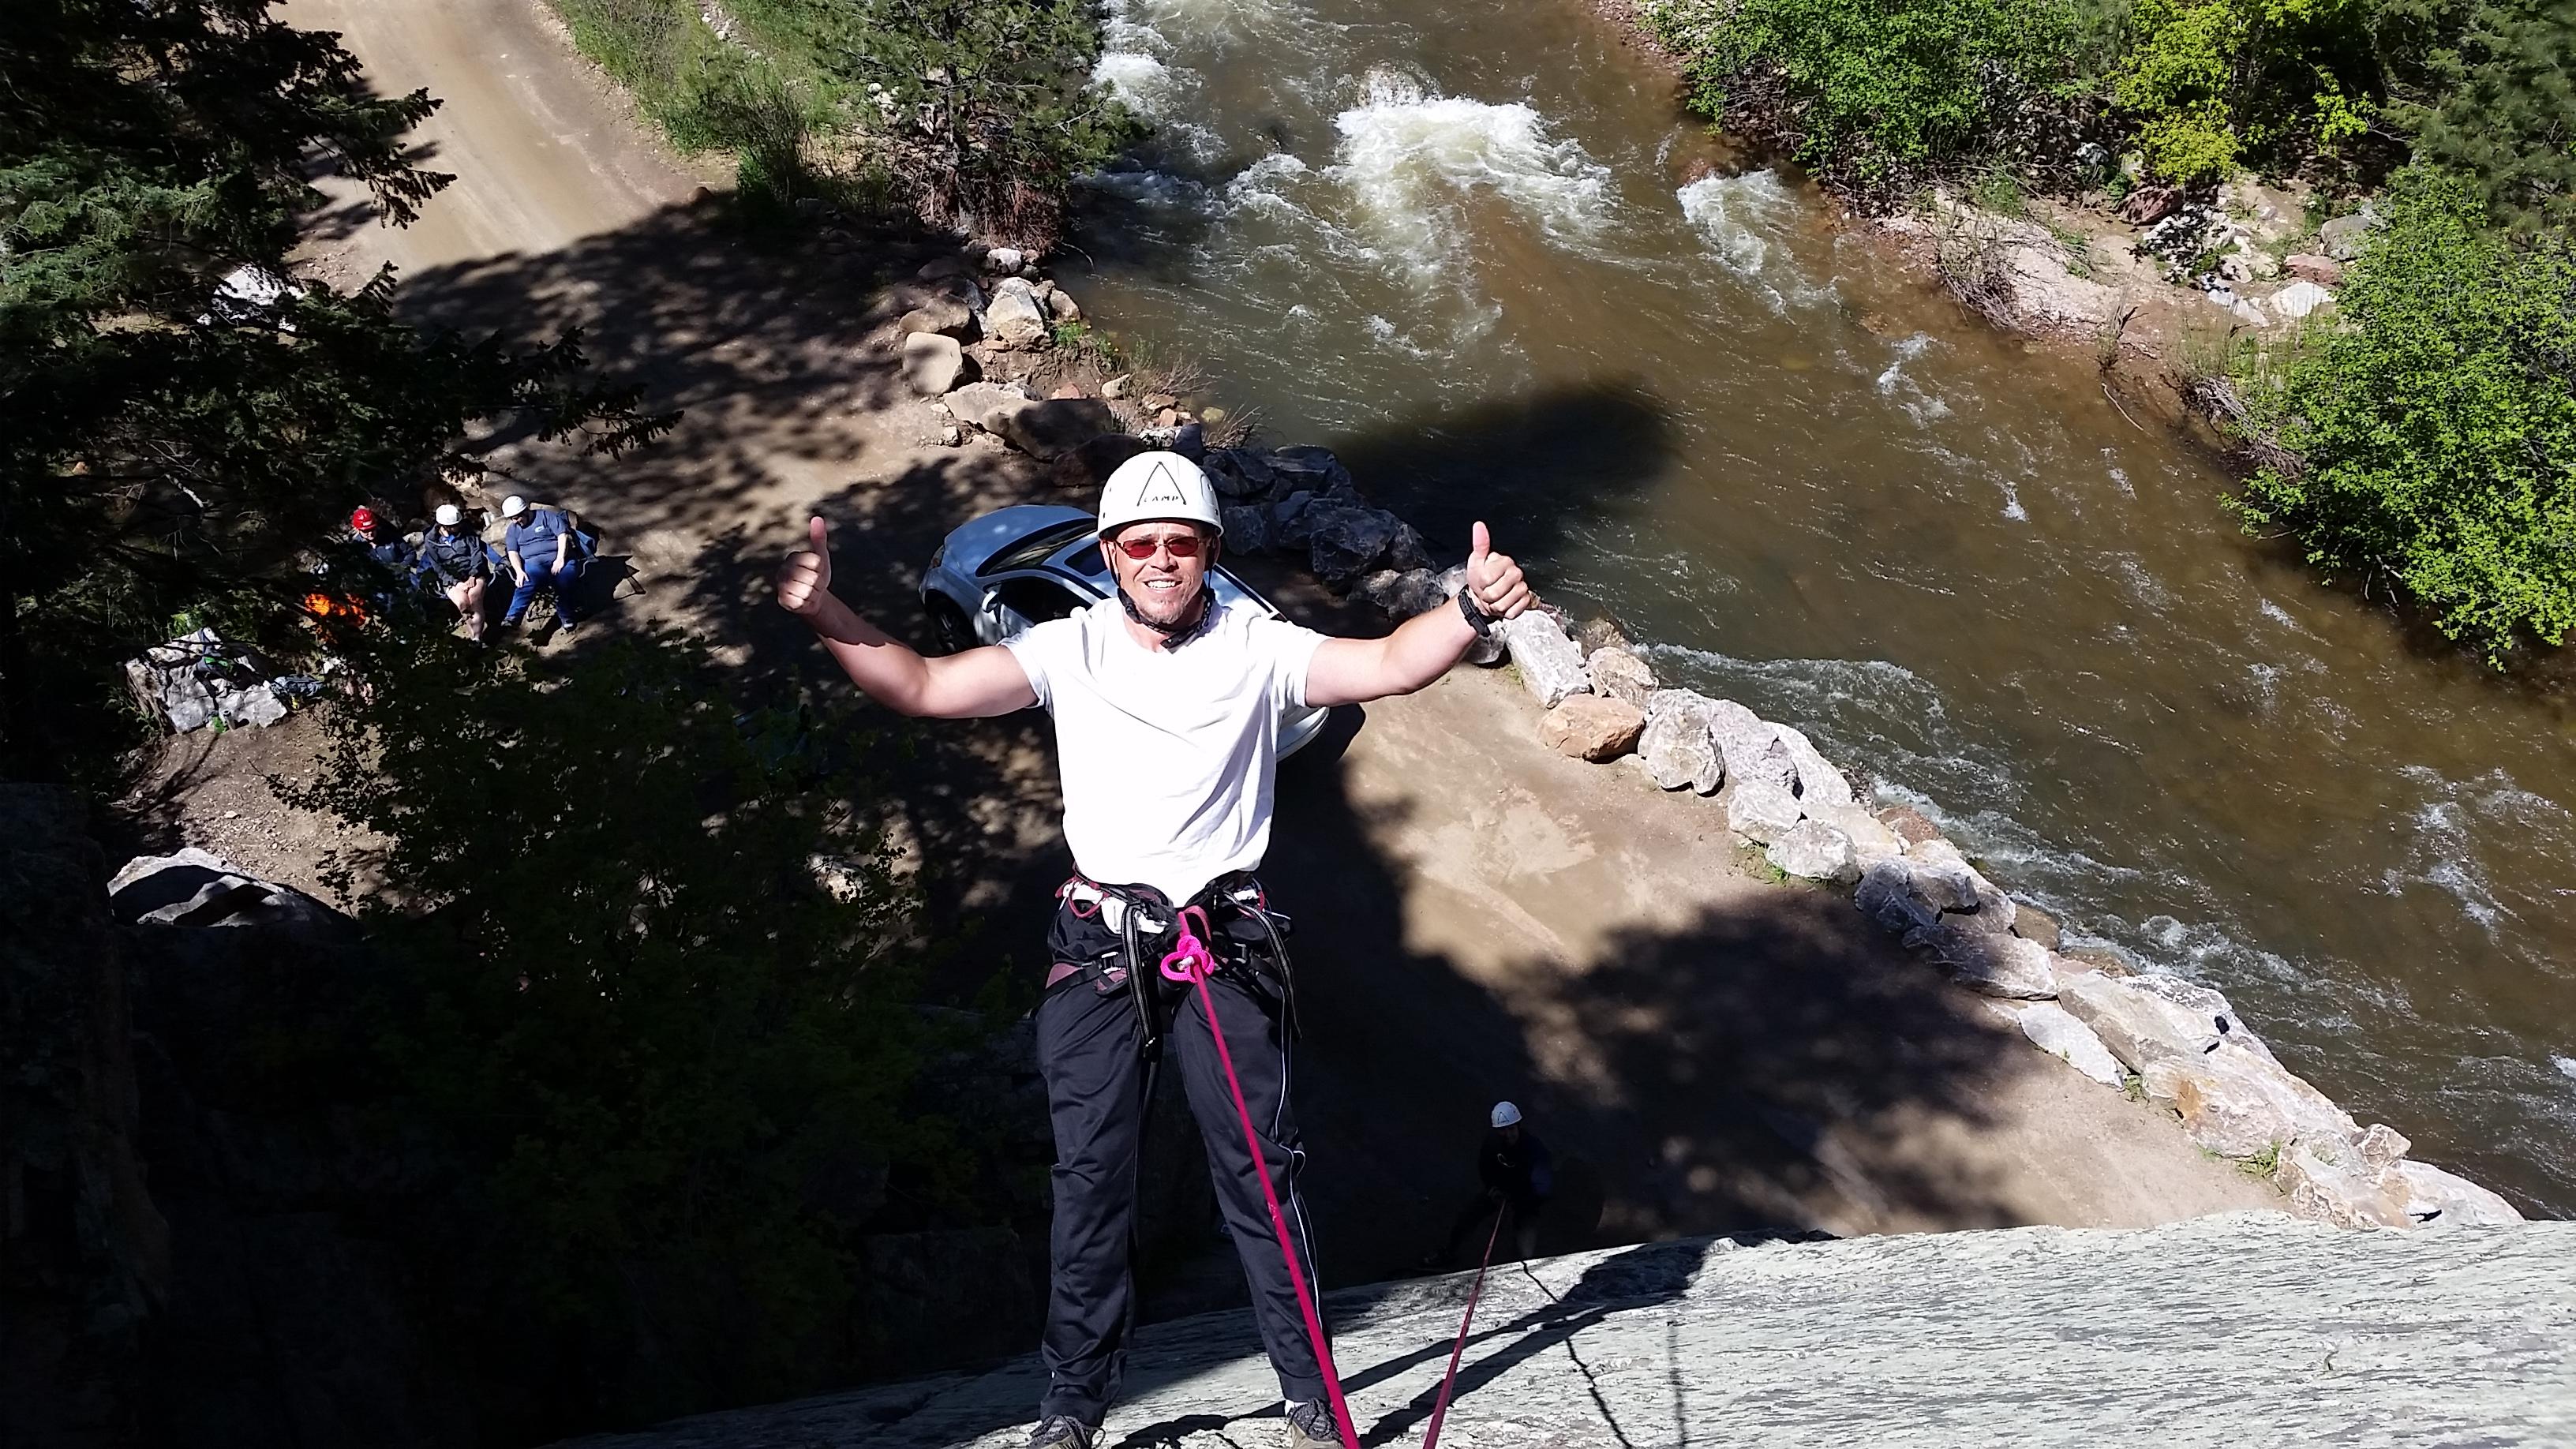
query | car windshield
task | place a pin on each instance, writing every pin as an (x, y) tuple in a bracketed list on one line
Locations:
[(1032, 551)]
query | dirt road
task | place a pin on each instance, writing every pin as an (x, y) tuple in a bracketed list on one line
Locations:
[(1479, 918)]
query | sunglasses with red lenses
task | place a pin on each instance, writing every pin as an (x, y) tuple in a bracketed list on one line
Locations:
[(1186, 545)]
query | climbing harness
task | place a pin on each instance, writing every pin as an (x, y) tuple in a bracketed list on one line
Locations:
[(1458, 1350), (1191, 962)]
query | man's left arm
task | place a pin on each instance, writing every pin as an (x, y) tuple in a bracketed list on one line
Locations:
[(1355, 671)]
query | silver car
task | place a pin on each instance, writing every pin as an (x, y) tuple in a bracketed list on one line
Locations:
[(1033, 562)]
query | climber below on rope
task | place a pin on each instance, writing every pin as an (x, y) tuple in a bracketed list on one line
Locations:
[(1166, 706)]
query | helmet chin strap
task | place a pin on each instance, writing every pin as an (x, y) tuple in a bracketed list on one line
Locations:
[(1177, 633)]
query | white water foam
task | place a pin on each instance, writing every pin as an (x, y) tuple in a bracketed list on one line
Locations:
[(1408, 156), (2447, 827), (1738, 215)]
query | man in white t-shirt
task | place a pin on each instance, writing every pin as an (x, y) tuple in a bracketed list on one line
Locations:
[(1167, 708)]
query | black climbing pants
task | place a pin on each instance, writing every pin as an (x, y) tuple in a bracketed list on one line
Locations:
[(1088, 1052)]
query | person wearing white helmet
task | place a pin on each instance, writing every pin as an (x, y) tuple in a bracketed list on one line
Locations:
[(544, 553), (1515, 1174), (1167, 705), (459, 562)]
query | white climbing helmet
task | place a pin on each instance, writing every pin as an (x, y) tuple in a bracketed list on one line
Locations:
[(450, 515), (1506, 1115), (1157, 486), (513, 506)]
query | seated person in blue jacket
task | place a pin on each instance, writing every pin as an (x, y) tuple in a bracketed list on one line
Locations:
[(458, 563), (545, 551)]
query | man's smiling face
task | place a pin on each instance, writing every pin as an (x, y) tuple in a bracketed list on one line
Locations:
[(1163, 584)]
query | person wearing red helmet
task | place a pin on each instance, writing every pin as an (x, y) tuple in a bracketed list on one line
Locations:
[(382, 544)]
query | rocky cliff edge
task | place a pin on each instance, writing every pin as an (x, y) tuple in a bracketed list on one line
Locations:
[(2217, 1331)]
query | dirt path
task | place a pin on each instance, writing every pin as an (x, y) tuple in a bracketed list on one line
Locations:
[(1479, 917)]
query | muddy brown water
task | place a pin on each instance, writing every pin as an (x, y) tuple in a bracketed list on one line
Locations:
[(1475, 246)]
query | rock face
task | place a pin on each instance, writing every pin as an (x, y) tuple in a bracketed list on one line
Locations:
[(2435, 1198), (1818, 782), (1676, 745), (1549, 663), (1933, 1339), (1591, 727), (2199, 1061), (933, 364)]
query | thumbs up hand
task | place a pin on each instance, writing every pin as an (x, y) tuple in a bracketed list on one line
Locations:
[(1494, 582), (805, 578)]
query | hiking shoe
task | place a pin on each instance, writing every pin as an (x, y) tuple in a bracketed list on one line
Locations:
[(1060, 1431), (1310, 1426)]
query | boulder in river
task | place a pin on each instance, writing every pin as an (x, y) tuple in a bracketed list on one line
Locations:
[(1949, 878), (1676, 746), (1592, 727), (1596, 634), (933, 363), (1239, 475), (1311, 468), (1620, 674), (1549, 663), (1760, 811), (2153, 1017), (1911, 825), (1813, 850)]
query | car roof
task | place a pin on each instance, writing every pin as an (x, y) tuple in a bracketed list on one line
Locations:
[(1004, 528)]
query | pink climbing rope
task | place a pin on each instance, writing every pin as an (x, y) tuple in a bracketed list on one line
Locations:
[(1449, 1380), (1190, 961)]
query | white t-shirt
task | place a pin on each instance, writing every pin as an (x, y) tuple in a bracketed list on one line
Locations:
[(1167, 756)]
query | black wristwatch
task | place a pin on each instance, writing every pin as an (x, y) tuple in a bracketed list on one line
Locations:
[(1477, 619)]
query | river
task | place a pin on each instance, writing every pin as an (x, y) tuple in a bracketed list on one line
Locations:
[(1474, 245)]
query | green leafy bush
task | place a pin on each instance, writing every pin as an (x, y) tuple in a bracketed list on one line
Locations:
[(1874, 95), (2435, 424), (2212, 84)]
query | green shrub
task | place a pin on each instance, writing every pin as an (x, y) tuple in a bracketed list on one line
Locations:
[(2212, 84), (2435, 421), (1874, 95)]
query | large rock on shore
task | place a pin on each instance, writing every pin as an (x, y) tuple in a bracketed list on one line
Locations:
[(1618, 672), (1676, 746), (1592, 727), (2438, 1199), (2054, 1030), (1818, 782), (1014, 317), (1811, 850), (1990, 965), (1751, 747), (933, 364), (1549, 663), (2152, 1018), (1760, 811)]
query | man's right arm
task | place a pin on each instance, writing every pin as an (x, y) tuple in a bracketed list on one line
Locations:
[(971, 685)]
